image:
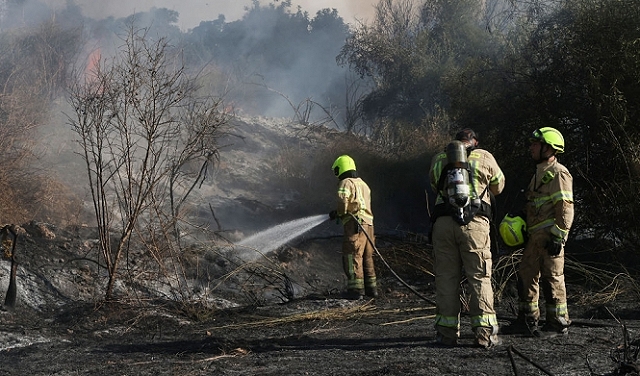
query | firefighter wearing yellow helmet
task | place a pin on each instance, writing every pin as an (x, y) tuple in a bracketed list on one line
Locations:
[(354, 201), (464, 178), (549, 214)]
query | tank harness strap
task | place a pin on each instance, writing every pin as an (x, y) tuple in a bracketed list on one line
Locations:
[(446, 209)]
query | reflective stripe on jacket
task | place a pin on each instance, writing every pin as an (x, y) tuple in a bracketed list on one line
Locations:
[(550, 199), (354, 196)]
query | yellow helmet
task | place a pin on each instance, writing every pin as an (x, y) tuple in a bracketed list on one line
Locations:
[(342, 164), (512, 230), (550, 136)]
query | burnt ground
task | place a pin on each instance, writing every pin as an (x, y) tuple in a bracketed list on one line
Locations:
[(314, 333)]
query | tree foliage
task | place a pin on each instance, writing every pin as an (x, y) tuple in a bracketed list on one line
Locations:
[(506, 68), (411, 51), (575, 68), (586, 59)]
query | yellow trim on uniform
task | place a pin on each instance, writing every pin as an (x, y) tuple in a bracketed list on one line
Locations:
[(447, 321), (558, 232), (546, 223), (490, 320), (344, 191), (558, 310), (528, 307)]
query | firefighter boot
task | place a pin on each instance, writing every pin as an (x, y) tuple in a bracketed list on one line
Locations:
[(556, 325), (446, 336), (370, 287), (354, 294), (487, 337), (371, 292), (525, 325)]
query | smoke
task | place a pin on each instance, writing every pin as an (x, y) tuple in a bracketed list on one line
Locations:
[(193, 11), (311, 72), (350, 10)]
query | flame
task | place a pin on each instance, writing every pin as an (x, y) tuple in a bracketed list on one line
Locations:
[(92, 71)]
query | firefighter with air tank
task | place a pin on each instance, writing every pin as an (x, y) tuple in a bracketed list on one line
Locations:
[(465, 178)]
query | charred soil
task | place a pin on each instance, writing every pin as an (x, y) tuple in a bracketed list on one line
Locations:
[(313, 333)]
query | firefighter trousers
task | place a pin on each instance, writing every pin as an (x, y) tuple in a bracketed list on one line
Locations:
[(538, 269), (457, 248), (357, 256)]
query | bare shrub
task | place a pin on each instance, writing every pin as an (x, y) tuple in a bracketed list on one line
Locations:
[(148, 141)]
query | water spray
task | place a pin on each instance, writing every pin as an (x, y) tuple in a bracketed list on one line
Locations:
[(272, 238)]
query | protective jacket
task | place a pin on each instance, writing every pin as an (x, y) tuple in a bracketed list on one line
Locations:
[(465, 247), (550, 199), (354, 197)]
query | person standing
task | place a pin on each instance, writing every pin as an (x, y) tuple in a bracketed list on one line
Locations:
[(354, 204), (549, 214), (461, 237)]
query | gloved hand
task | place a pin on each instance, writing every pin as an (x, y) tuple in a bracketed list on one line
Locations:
[(333, 215), (554, 246)]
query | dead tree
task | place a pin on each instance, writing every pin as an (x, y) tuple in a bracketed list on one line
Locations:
[(147, 140)]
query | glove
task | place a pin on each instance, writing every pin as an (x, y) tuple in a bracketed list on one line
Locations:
[(554, 246), (333, 215)]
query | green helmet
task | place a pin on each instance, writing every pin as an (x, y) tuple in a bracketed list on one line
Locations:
[(512, 230), (342, 164), (550, 136)]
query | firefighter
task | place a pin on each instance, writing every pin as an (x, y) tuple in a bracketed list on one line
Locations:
[(549, 214), (354, 204), (465, 179)]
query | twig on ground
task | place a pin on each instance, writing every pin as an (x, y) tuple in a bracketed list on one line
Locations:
[(408, 320), (530, 361), (513, 361)]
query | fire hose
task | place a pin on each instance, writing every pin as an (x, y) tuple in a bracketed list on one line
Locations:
[(405, 284)]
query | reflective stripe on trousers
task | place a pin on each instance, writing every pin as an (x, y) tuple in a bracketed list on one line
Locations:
[(357, 256), (458, 248), (539, 270)]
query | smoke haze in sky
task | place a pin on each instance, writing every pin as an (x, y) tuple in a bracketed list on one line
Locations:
[(193, 11)]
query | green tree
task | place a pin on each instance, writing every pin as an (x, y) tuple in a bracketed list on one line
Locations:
[(411, 52), (586, 60), (576, 68)]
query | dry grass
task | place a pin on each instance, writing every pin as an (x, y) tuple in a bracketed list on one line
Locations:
[(332, 314), (354, 312), (410, 257), (601, 286), (608, 286), (505, 272)]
